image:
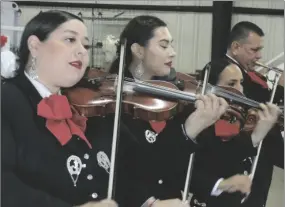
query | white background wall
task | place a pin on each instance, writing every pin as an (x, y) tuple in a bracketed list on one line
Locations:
[(192, 32)]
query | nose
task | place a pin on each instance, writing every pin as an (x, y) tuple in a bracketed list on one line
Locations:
[(81, 50), (239, 87), (258, 55), (172, 52)]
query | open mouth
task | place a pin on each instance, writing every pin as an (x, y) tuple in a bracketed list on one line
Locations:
[(169, 64), (76, 64)]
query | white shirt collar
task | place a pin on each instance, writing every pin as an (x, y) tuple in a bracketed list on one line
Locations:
[(43, 91), (235, 62), (232, 58)]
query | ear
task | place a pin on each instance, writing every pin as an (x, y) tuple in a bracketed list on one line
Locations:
[(235, 47), (34, 45), (137, 50)]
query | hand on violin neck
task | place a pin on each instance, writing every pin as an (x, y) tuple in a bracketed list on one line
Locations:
[(267, 118), (209, 109)]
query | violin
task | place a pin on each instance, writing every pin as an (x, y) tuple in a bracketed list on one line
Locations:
[(246, 113), (151, 100), (252, 119)]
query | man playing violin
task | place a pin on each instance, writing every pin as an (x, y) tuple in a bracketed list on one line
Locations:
[(244, 49)]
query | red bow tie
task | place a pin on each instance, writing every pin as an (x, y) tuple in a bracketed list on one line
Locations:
[(60, 120), (158, 126), (226, 130), (255, 78)]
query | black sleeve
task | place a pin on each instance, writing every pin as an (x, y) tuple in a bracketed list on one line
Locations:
[(241, 147), (215, 154), (205, 173), (132, 166), (16, 193), (274, 147), (202, 182), (238, 148), (175, 134), (279, 95)]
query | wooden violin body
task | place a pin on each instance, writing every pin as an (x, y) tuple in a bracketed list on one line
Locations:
[(155, 100), (97, 98)]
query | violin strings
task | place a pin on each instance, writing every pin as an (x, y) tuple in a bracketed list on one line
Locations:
[(236, 97), (168, 91), (255, 103), (216, 90), (222, 92)]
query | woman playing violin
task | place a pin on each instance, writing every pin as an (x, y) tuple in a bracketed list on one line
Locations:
[(47, 158), (220, 173), (53, 156), (162, 170)]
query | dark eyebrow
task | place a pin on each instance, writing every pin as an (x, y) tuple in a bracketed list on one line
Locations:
[(75, 33), (257, 48)]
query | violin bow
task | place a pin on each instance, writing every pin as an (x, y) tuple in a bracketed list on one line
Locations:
[(116, 129), (254, 165), (191, 159)]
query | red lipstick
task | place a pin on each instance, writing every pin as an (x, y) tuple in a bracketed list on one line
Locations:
[(76, 64)]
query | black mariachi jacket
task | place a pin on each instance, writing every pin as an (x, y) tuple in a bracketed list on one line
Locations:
[(220, 159), (272, 152), (161, 166), (166, 155), (34, 164)]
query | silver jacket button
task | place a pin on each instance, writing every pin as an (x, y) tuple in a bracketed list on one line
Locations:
[(94, 195), (86, 156), (89, 177)]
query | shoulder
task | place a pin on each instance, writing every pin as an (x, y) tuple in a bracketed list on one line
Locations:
[(10, 91), (12, 96)]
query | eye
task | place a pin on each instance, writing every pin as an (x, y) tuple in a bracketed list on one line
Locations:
[(255, 49), (70, 39), (87, 47), (231, 84)]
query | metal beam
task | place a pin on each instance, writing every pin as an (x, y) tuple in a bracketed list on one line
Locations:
[(221, 27)]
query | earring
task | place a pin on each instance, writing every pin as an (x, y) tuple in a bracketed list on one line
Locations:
[(32, 71), (139, 71)]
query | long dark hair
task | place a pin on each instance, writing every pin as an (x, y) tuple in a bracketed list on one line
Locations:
[(42, 25), (139, 30)]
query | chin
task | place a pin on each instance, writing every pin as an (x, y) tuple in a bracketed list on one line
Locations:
[(250, 68), (71, 82), (165, 72)]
